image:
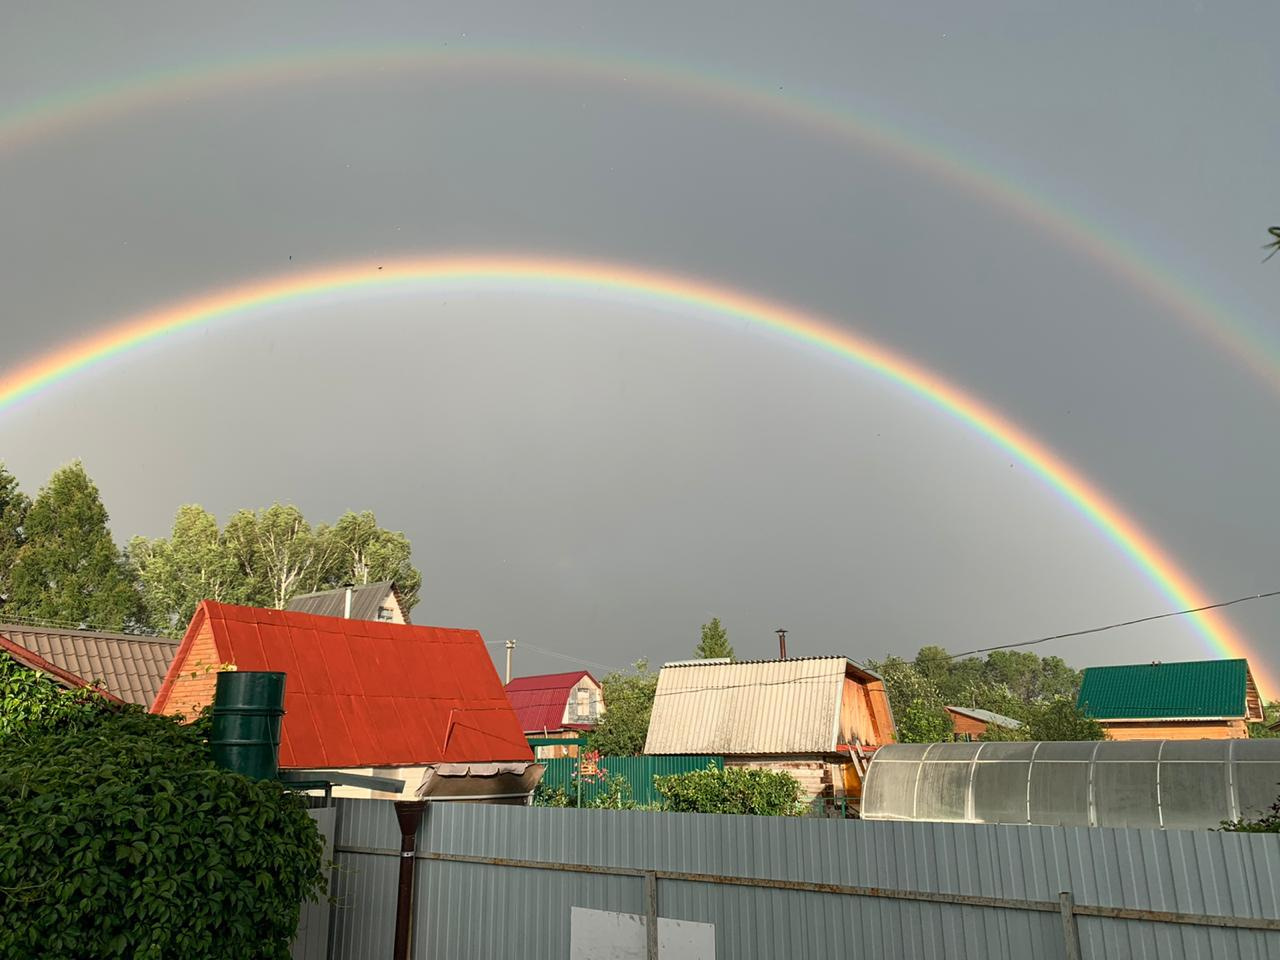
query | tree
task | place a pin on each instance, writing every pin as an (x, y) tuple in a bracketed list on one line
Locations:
[(919, 712), (363, 552), (628, 700), (68, 568), (14, 505), (191, 565), (715, 641), (1061, 719)]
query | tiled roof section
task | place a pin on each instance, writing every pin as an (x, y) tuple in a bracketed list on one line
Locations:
[(365, 601), (540, 701), (359, 693), (1148, 691), (130, 666), (987, 716)]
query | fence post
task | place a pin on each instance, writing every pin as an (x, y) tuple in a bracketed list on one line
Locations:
[(651, 914), (1070, 935)]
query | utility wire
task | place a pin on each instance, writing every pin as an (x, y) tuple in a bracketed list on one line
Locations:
[(1109, 626)]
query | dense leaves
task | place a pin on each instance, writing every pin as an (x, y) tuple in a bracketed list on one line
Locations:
[(14, 505), (1038, 692), (731, 790), (31, 703), (121, 839), (628, 697), (68, 568)]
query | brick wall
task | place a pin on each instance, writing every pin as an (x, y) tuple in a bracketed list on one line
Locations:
[(193, 689)]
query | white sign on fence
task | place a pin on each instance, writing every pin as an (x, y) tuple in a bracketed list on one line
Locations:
[(604, 935)]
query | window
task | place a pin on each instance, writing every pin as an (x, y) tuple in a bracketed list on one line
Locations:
[(386, 613), (584, 702)]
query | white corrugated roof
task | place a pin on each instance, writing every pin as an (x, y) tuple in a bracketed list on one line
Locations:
[(761, 707)]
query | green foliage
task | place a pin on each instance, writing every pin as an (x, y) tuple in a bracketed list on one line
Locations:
[(1061, 719), (1269, 822), (628, 699), (264, 558), (1263, 731), (545, 796), (923, 722), (1015, 683), (715, 641), (123, 840), (731, 790), (14, 505), (32, 703), (68, 568)]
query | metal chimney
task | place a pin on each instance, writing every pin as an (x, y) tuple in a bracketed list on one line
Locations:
[(346, 606), (782, 642)]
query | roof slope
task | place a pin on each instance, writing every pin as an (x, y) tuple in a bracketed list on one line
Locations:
[(746, 707), (360, 693), (130, 666), (1140, 691), (987, 716), (540, 701), (365, 601)]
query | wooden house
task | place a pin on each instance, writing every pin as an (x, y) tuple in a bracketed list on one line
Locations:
[(1191, 700), (558, 706), (818, 718), (367, 601), (420, 704), (970, 723)]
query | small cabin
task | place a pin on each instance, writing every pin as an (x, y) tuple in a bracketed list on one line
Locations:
[(818, 718), (367, 601), (1188, 700), (414, 703), (559, 706), (972, 723)]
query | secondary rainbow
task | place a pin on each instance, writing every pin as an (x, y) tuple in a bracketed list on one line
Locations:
[(1248, 342), (603, 279)]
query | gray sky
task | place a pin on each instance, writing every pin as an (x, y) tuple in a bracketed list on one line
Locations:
[(598, 478)]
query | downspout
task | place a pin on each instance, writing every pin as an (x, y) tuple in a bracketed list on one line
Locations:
[(409, 814)]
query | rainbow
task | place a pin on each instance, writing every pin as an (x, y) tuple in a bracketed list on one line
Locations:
[(611, 280), (1249, 343)]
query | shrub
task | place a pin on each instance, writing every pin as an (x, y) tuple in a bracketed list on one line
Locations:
[(122, 839), (1269, 822), (31, 703), (731, 790)]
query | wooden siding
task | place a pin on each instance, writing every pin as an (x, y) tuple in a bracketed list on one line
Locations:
[(966, 726), (1176, 729), (818, 776)]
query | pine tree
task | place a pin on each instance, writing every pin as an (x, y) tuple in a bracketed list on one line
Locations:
[(715, 641), (69, 569)]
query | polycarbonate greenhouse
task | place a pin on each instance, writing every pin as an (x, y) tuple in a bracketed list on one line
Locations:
[(1177, 784)]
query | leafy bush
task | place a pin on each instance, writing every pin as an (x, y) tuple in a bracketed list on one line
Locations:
[(122, 839), (32, 703), (1269, 822), (731, 790)]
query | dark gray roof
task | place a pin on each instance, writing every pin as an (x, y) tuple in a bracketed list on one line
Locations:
[(365, 601), (131, 666)]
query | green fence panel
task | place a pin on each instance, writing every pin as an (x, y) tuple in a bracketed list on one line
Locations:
[(638, 771)]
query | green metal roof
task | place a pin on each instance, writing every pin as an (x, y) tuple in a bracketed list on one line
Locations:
[(1199, 688)]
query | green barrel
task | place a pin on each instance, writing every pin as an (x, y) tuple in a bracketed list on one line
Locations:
[(247, 710)]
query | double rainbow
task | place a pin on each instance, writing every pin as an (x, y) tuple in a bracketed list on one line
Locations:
[(611, 280)]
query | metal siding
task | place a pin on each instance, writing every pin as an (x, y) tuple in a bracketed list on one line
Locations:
[(638, 771), (480, 911), (767, 707)]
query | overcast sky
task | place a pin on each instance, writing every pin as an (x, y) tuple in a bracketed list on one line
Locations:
[(599, 478)]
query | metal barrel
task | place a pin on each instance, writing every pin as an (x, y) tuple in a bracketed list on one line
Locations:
[(247, 710)]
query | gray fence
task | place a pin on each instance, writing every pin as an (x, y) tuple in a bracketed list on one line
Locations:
[(506, 882)]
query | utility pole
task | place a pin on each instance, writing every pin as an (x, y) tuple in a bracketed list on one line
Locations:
[(511, 645), (782, 642)]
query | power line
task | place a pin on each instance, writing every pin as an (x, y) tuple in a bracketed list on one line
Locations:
[(1110, 626)]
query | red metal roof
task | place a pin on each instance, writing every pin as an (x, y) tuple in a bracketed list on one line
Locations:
[(360, 693), (540, 701)]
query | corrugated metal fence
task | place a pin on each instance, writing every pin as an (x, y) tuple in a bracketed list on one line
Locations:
[(638, 772), (779, 887)]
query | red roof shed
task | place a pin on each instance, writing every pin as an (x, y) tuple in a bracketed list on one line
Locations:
[(358, 693), (543, 703)]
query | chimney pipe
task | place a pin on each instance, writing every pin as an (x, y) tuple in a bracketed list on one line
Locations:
[(346, 606), (782, 642)]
